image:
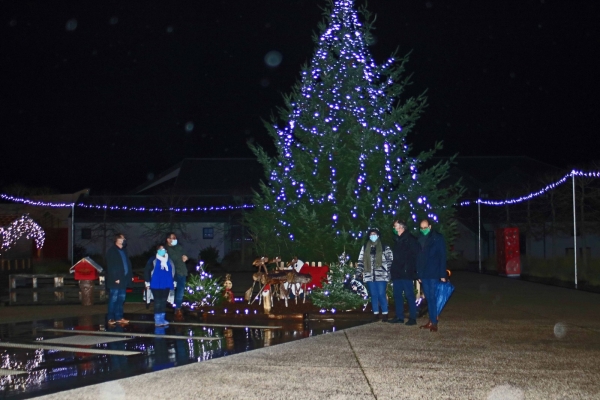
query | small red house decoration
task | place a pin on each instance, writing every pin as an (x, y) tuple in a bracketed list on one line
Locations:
[(86, 269)]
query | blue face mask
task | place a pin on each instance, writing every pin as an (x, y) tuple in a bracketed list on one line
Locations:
[(373, 238), (161, 252), (174, 242)]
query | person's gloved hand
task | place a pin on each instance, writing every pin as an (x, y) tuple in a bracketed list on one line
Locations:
[(175, 284), (147, 284)]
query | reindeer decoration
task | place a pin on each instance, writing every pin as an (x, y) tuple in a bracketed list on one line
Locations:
[(297, 279), (261, 262), (277, 280), (260, 277)]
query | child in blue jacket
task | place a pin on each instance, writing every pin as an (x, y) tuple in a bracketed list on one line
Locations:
[(159, 275)]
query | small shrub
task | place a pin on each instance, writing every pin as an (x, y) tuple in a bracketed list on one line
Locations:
[(210, 256)]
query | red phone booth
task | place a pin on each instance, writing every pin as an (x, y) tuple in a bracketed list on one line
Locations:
[(86, 272), (508, 253)]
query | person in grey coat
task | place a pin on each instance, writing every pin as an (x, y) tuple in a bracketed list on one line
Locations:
[(373, 266)]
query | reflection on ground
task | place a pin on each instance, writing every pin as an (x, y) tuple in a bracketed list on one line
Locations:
[(50, 370)]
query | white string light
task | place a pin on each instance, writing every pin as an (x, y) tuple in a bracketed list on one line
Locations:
[(23, 226)]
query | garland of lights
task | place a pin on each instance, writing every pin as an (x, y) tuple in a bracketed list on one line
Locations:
[(24, 226), (421, 200), (340, 291), (551, 186), (123, 208), (203, 290)]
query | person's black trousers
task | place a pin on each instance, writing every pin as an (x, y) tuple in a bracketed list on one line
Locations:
[(160, 300)]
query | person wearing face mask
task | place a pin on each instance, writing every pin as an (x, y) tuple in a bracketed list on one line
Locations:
[(176, 255), (118, 276), (159, 276), (373, 267), (404, 272), (431, 268)]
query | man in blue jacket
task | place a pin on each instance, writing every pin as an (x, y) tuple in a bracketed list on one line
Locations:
[(404, 272), (118, 275), (431, 268)]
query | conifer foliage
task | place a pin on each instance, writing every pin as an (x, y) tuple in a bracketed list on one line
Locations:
[(341, 292), (343, 161)]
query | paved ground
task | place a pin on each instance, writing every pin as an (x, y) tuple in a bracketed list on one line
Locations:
[(498, 339), (11, 314)]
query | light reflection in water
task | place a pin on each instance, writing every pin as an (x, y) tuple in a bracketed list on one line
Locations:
[(52, 371)]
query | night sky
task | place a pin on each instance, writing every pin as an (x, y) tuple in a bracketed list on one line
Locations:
[(106, 94)]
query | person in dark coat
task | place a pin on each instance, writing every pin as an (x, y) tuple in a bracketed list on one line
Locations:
[(178, 258), (118, 276), (374, 262), (404, 272), (431, 268), (159, 276)]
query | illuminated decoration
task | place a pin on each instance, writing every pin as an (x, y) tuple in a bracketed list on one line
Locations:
[(343, 161), (202, 290), (341, 291), (124, 208), (35, 203), (169, 209), (547, 188), (23, 226), (420, 200)]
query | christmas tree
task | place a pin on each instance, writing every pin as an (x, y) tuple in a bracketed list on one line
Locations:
[(203, 290), (343, 161), (341, 292)]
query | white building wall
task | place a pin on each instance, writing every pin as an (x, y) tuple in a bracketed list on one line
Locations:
[(139, 241), (466, 244)]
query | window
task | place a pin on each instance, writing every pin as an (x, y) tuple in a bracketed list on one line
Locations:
[(86, 233), (208, 233)]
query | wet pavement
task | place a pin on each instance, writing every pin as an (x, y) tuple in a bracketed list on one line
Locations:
[(126, 351), (498, 338)]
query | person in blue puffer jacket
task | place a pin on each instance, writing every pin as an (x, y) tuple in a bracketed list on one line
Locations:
[(159, 275)]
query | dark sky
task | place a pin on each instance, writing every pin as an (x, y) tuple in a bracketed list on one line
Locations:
[(103, 94)]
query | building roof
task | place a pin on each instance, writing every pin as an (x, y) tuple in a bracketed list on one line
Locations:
[(500, 173), (86, 260), (207, 176)]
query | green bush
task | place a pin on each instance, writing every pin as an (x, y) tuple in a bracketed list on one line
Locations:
[(210, 256)]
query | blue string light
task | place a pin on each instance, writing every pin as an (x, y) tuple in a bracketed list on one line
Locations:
[(421, 200), (36, 203), (551, 186)]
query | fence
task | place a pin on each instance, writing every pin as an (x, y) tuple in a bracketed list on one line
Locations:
[(49, 289)]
